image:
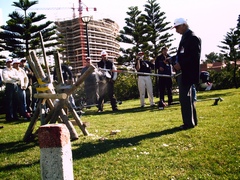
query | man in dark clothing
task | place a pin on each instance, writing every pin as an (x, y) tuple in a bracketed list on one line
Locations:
[(66, 73), (107, 84), (188, 61), (90, 85), (164, 67)]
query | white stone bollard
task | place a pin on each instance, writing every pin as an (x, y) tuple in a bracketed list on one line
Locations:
[(56, 154)]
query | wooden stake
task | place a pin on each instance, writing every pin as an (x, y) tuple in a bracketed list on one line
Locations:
[(45, 58)]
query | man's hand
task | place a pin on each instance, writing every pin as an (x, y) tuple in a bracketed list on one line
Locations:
[(161, 69), (177, 66)]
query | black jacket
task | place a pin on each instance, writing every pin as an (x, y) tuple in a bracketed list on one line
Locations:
[(189, 52), (66, 73), (109, 65)]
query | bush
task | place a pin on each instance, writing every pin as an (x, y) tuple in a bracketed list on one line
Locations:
[(224, 79), (126, 87)]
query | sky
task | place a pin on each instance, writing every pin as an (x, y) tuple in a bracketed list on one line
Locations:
[(209, 19)]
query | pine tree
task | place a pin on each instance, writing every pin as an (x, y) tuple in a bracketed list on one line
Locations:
[(133, 33), (157, 27), (230, 49), (144, 32), (21, 34)]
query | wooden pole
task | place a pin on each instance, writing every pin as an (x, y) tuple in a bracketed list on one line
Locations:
[(50, 96), (80, 80), (58, 68), (32, 124), (41, 77), (37, 66), (45, 58), (77, 119)]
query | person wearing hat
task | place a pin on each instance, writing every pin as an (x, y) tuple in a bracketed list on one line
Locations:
[(31, 78), (22, 86), (188, 62), (107, 86), (164, 67), (90, 85), (10, 78), (144, 81)]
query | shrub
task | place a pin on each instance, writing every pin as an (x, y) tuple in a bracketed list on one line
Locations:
[(224, 79), (126, 87)]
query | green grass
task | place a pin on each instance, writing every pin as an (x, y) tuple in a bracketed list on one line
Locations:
[(149, 145)]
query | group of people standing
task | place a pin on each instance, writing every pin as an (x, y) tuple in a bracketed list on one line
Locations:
[(164, 69), (17, 79), (186, 63), (99, 85)]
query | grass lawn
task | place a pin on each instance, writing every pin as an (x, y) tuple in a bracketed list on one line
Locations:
[(148, 146)]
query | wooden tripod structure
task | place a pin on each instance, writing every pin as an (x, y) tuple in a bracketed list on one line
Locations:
[(47, 94)]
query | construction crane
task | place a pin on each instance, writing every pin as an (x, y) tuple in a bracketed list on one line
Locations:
[(81, 7)]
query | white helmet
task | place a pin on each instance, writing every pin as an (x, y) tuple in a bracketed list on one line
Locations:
[(104, 53)]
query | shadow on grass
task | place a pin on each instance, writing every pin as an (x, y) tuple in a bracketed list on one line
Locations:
[(121, 111), (213, 94), (91, 149), (209, 96), (19, 146), (12, 167), (16, 147), (201, 96)]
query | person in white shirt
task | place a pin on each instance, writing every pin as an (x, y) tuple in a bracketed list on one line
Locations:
[(144, 81), (10, 78), (22, 86)]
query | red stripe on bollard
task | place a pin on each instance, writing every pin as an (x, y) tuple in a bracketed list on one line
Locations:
[(53, 135)]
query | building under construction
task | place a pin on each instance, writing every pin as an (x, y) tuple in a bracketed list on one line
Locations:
[(101, 35)]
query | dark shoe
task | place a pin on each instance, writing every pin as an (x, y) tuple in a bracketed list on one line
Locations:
[(99, 111), (27, 115), (115, 109), (9, 119), (1, 127), (161, 105), (15, 119), (184, 127)]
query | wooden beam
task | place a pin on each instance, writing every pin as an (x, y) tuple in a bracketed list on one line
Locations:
[(50, 96)]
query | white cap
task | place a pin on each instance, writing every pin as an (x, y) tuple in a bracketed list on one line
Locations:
[(15, 60), (179, 21), (104, 53), (8, 60)]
